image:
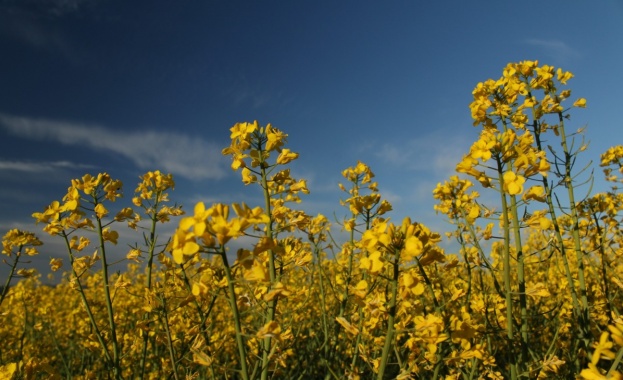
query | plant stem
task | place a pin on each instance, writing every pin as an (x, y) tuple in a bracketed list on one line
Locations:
[(389, 335), (507, 275), (108, 300), (244, 373)]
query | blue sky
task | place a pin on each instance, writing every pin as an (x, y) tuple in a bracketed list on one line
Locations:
[(124, 87)]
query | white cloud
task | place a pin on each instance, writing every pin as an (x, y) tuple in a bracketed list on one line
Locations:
[(36, 167), (435, 153), (554, 48), (185, 156)]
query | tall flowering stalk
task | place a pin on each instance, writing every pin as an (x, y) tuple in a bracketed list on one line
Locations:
[(151, 196), (210, 229), (399, 259), (250, 141), (511, 138), (88, 195), (15, 245), (366, 206)]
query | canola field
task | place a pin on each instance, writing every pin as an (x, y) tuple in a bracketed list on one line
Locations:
[(533, 290)]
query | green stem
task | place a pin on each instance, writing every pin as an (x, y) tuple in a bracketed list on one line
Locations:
[(557, 230), (244, 373), (108, 300), (584, 315), (85, 302), (389, 335), (272, 304), (523, 303), (325, 323), (577, 310), (151, 242), (353, 363), (512, 359), (604, 266), (7, 283), (167, 329)]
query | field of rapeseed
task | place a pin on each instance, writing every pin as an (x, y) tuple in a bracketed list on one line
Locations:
[(532, 292)]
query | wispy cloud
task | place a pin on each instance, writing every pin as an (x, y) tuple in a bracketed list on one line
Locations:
[(422, 162), (435, 153), (186, 156), (36, 167), (556, 49)]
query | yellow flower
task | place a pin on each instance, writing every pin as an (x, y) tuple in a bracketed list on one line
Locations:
[(413, 247), (257, 272), (275, 138), (271, 329), (513, 183), (563, 77), (286, 156), (248, 177), (7, 371), (18, 239), (602, 348), (301, 186), (482, 148), (198, 221), (110, 236), (592, 373), (411, 284), (535, 192), (55, 264), (373, 263), (79, 245), (134, 255), (581, 103), (347, 326), (240, 131), (100, 211), (125, 214), (538, 290)]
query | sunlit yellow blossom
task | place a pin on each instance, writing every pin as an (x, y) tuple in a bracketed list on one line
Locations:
[(100, 211), (513, 183), (537, 290), (15, 240), (278, 290), (134, 255), (593, 373), (55, 264), (603, 348), (271, 329), (536, 193), (275, 138), (7, 371), (240, 131), (286, 156), (413, 247), (110, 236), (580, 103), (248, 177), (347, 326), (373, 263), (482, 149), (198, 221)]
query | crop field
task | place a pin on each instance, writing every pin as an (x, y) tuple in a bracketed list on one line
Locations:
[(533, 290)]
